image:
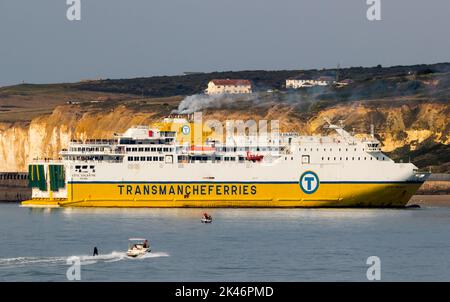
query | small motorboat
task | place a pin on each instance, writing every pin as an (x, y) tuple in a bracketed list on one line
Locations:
[(138, 247), (206, 218)]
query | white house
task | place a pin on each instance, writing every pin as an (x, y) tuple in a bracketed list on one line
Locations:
[(228, 86), (304, 82)]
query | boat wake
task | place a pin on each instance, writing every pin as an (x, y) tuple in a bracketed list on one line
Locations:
[(83, 259)]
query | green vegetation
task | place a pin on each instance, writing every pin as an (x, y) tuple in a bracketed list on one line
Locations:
[(368, 81)]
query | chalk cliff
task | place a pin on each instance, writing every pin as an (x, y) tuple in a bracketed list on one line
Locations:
[(397, 124)]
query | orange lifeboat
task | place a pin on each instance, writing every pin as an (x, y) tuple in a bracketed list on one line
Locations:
[(202, 148)]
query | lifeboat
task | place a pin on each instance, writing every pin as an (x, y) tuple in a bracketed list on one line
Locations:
[(254, 157), (202, 149)]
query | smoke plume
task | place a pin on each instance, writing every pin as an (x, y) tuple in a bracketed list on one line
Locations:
[(198, 102)]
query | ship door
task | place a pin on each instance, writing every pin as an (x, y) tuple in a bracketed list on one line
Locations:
[(305, 159), (169, 159)]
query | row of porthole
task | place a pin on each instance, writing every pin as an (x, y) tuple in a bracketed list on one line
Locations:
[(353, 158), (340, 158), (324, 149), (146, 158), (148, 149)]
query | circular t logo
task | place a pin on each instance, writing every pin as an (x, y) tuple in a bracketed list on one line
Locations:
[(309, 182), (185, 129)]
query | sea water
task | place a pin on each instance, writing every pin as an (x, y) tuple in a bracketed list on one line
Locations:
[(239, 245)]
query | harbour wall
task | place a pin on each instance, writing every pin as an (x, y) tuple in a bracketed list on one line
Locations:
[(14, 186), (437, 184)]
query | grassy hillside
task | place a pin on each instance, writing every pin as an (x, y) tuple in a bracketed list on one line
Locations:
[(22, 103), (376, 79)]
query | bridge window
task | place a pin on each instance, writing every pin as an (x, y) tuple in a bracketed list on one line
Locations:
[(155, 158), (147, 149), (149, 158)]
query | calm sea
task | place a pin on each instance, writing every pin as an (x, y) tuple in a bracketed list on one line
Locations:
[(240, 244)]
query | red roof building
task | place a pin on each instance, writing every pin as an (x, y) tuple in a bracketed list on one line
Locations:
[(229, 86)]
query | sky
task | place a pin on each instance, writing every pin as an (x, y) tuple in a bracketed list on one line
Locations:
[(138, 38)]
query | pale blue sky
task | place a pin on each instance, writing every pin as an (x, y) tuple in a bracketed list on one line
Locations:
[(133, 38)]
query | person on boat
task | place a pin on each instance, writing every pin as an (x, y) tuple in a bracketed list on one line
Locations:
[(145, 244), (95, 251)]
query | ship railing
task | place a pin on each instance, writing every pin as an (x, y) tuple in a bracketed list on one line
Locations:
[(97, 161), (38, 160), (104, 152)]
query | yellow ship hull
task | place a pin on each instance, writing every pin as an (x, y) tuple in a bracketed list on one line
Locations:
[(289, 194)]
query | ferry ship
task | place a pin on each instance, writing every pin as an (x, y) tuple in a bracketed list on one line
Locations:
[(154, 167)]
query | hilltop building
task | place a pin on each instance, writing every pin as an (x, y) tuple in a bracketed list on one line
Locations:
[(228, 86), (305, 81)]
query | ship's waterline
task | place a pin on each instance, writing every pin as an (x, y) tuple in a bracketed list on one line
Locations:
[(150, 167)]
